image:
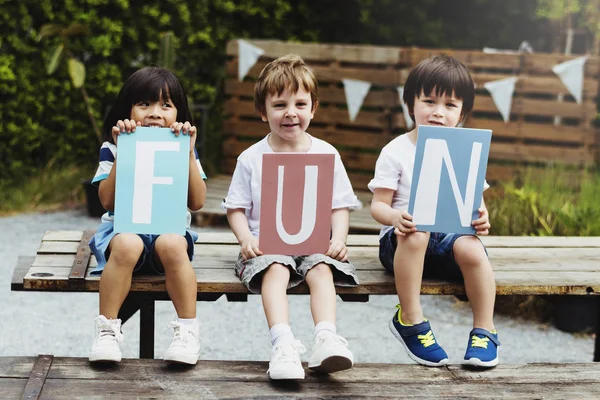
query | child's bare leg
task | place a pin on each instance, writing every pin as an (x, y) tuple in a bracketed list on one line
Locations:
[(115, 281), (322, 293), (274, 294), (479, 280), (180, 279), (408, 274)]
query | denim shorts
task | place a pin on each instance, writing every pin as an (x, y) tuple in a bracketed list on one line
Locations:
[(251, 271), (105, 233), (439, 256)]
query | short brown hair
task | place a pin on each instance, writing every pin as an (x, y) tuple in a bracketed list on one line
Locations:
[(286, 72), (444, 73)]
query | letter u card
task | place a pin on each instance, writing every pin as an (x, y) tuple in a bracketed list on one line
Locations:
[(296, 199), (152, 182), (448, 178)]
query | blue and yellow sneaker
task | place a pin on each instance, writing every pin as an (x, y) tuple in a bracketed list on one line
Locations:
[(418, 340), (482, 349)]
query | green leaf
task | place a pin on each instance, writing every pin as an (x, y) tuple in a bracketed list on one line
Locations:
[(76, 29), (51, 67), (76, 72), (49, 30)]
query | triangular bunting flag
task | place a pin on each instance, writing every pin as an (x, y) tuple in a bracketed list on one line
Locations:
[(355, 91), (248, 54), (502, 92), (571, 74), (407, 119)]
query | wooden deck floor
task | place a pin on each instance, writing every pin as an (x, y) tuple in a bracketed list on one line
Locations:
[(212, 214), (69, 378)]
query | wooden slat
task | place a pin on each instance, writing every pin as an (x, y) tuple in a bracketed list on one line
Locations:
[(331, 52), (372, 240), (76, 378), (39, 372)]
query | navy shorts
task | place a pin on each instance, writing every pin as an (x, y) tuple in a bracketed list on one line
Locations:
[(439, 256), (105, 233)]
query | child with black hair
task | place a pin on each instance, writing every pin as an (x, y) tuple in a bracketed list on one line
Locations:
[(438, 91), (150, 97)]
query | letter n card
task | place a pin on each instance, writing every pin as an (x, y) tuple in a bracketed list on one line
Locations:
[(448, 178), (152, 182), (296, 198)]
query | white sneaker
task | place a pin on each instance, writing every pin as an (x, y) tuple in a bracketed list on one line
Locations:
[(330, 353), (185, 347), (106, 344), (285, 361)]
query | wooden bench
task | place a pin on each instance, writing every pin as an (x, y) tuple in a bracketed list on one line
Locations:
[(522, 266), (217, 187), (67, 378)]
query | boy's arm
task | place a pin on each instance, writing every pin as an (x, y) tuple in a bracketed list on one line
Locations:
[(382, 212), (340, 224), (482, 224), (239, 225), (196, 185), (106, 189)]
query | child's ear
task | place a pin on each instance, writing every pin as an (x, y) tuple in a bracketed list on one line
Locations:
[(314, 109), (263, 117)]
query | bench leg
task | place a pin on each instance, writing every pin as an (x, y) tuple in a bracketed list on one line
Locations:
[(597, 341), (146, 329)]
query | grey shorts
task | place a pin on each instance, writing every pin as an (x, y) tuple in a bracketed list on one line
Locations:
[(250, 271)]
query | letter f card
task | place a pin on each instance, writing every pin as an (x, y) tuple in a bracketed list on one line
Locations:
[(448, 178), (296, 199), (152, 182)]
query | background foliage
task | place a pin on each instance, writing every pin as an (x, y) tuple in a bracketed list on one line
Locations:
[(43, 119)]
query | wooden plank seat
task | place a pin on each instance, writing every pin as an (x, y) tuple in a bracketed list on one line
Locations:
[(212, 213), (67, 378), (522, 266)]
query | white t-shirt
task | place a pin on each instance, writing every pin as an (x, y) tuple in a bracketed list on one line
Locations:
[(394, 170), (244, 191)]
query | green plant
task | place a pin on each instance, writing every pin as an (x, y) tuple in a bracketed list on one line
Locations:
[(75, 67)]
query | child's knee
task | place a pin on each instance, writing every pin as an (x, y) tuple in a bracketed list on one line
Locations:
[(469, 251), (416, 241), (126, 249), (320, 271), (277, 272), (170, 245)]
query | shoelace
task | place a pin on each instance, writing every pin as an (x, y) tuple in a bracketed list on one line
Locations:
[(182, 333), (288, 352), (477, 341), (108, 330), (325, 336), (427, 339)]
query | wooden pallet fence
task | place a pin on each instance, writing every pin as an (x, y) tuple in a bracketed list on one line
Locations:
[(543, 129)]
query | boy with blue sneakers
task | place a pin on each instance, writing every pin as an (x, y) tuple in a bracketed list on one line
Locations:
[(438, 91)]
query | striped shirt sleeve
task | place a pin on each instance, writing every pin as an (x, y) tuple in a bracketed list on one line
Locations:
[(107, 159)]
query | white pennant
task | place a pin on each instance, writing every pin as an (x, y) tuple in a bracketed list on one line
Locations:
[(355, 91), (502, 92), (571, 74), (407, 119), (247, 57)]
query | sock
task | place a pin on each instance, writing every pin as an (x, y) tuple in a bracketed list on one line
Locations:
[(186, 321), (281, 333), (325, 326)]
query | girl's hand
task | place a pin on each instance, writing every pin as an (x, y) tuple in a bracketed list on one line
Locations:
[(187, 129), (127, 126), (250, 248), (482, 224), (337, 250), (403, 223)]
